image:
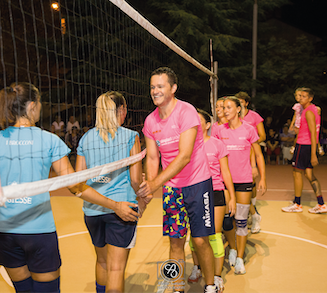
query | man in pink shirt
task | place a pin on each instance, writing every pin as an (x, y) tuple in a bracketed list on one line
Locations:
[(173, 129), (305, 157)]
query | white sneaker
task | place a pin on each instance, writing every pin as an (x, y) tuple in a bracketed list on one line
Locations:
[(232, 257), (318, 209), (219, 284), (210, 289), (256, 219), (239, 267), (293, 208), (195, 275)]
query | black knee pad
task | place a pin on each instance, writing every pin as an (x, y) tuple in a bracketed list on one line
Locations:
[(228, 222)]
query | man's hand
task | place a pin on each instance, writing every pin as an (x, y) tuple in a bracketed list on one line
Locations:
[(123, 210)]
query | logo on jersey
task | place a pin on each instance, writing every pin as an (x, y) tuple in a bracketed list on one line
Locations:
[(158, 143), (101, 179), (206, 217)]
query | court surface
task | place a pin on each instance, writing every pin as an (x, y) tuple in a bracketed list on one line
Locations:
[(288, 255)]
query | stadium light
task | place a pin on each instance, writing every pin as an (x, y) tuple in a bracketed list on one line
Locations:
[(55, 6)]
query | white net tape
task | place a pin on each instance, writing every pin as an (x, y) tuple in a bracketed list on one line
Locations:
[(38, 187)]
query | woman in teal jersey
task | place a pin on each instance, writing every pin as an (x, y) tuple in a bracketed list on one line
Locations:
[(108, 142), (28, 240)]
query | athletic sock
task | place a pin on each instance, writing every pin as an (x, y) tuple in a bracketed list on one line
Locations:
[(24, 286), (100, 288), (297, 200), (49, 287), (320, 200)]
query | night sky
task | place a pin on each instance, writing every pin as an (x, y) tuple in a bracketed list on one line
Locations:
[(308, 15)]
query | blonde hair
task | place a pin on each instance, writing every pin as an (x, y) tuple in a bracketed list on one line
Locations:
[(106, 114)]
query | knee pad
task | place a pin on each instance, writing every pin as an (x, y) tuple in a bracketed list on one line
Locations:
[(24, 286), (190, 243), (241, 219), (217, 245), (52, 286), (100, 288), (228, 223)]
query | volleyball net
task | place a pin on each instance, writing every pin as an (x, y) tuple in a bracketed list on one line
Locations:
[(73, 51)]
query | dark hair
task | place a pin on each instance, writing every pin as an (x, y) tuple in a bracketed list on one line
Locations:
[(172, 77), (118, 99), (309, 91), (244, 96), (205, 115), (14, 100)]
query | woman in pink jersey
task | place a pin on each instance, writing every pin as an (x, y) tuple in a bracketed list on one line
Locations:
[(239, 137), (217, 157)]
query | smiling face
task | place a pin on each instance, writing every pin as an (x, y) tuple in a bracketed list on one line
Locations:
[(220, 109), (231, 111), (161, 91)]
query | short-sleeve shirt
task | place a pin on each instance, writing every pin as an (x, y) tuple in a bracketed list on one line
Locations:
[(304, 136), (166, 133), (238, 142), (117, 184), (26, 155), (215, 150), (253, 118)]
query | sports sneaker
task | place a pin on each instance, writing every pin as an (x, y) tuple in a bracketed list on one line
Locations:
[(321, 151), (232, 257), (219, 284), (256, 219), (195, 275), (292, 150), (318, 209), (293, 208), (210, 289), (239, 267)]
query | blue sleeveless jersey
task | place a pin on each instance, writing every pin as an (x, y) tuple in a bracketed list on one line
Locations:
[(115, 185)]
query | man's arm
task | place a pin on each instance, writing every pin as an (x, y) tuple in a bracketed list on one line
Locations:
[(261, 132), (186, 144), (311, 120)]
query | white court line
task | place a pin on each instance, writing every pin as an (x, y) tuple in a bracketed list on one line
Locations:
[(292, 190), (294, 237)]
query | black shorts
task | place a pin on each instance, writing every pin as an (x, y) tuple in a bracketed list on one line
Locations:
[(219, 198), (111, 229), (302, 157), (243, 187), (38, 251)]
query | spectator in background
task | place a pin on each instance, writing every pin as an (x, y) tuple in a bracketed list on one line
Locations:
[(72, 122), (286, 142), (88, 123), (273, 146), (72, 142), (59, 127)]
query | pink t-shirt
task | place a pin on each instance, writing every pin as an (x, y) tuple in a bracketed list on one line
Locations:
[(298, 111), (238, 142), (304, 136), (253, 118), (215, 150), (166, 133)]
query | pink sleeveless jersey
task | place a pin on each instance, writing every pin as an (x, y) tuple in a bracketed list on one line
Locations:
[(215, 150), (166, 133), (298, 111), (304, 136), (238, 142)]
